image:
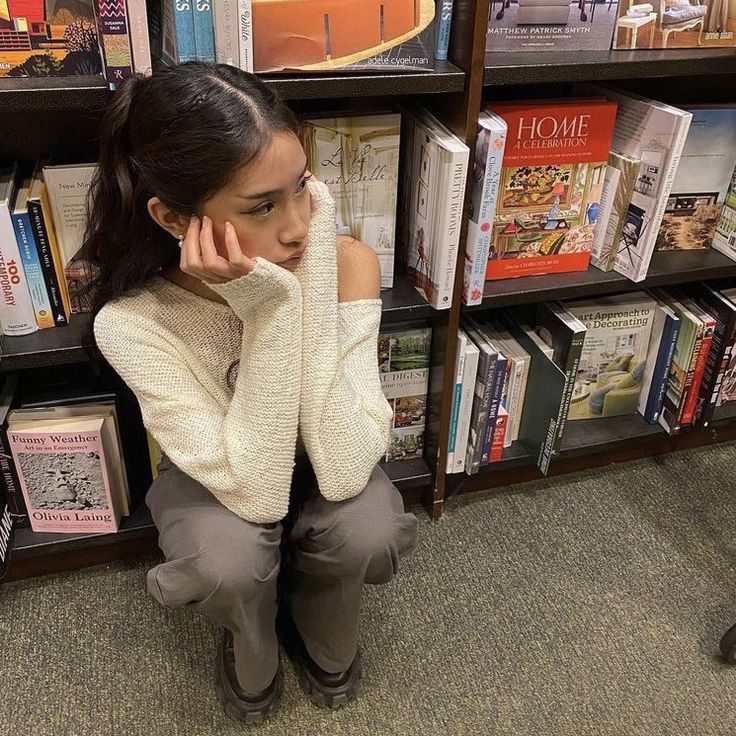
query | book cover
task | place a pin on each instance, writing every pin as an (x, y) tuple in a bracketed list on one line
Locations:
[(724, 239), (499, 436), (487, 158), (705, 344), (17, 313), (653, 133), (245, 34), (675, 24), (357, 157), (204, 31), (184, 26), (470, 372), (553, 169), (64, 476), (227, 32), (615, 352), (403, 364), (112, 19), (8, 474), (67, 188), (462, 344), (555, 25), (6, 534), (620, 179), (725, 388), (140, 44), (443, 25), (315, 35), (702, 180), (47, 39)]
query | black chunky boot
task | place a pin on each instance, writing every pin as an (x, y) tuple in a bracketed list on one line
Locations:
[(249, 709)]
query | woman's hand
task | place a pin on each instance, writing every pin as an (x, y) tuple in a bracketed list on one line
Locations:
[(200, 258), (358, 270)]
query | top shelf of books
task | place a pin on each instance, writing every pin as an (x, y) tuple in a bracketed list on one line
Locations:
[(502, 68), (92, 93)]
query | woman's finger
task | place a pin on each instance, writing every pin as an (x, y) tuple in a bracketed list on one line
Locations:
[(190, 245)]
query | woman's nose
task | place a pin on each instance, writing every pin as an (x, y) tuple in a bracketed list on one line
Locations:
[(294, 229)]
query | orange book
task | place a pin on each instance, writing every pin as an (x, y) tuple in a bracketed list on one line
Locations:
[(551, 183)]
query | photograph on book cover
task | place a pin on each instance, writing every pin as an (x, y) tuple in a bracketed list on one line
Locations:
[(665, 24), (48, 38), (724, 239), (313, 35), (551, 25)]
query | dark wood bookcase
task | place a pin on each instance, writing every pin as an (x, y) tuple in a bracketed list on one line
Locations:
[(40, 117)]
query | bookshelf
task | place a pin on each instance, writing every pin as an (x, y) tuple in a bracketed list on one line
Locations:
[(44, 116)]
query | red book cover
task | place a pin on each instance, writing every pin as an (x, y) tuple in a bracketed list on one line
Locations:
[(688, 411), (551, 183), (499, 435)]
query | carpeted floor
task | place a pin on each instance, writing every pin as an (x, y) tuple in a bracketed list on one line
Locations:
[(578, 606)]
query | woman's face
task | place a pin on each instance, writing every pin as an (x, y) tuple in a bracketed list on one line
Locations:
[(268, 204)]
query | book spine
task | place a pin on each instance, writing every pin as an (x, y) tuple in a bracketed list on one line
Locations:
[(650, 240), (499, 380), (184, 24), (718, 359), (481, 405), (11, 485), (245, 35), (114, 40), (6, 535), (460, 365), (448, 232), (32, 269), (226, 32), (660, 376), (444, 25), (17, 315), (140, 44), (571, 371), (499, 436), (46, 263), (480, 227), (689, 376), (514, 401), (466, 408), (204, 30), (706, 342)]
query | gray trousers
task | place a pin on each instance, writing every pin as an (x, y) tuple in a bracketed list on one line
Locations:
[(228, 569)]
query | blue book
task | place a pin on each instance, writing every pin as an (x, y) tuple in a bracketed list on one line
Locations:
[(184, 27), (666, 323), (444, 23), (204, 30)]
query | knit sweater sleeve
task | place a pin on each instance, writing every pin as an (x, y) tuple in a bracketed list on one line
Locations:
[(242, 452), (344, 417)]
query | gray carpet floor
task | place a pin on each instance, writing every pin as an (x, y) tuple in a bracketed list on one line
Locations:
[(576, 606)]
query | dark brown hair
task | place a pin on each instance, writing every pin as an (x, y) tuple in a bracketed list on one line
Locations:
[(180, 135)]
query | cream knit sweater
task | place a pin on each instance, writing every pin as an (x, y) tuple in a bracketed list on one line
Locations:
[(306, 363)]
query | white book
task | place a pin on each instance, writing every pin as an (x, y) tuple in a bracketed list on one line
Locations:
[(140, 44), (470, 372), (245, 34), (17, 315), (655, 134), (462, 341), (227, 32), (488, 157), (610, 186)]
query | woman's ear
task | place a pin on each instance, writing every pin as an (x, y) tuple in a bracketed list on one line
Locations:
[(171, 221)]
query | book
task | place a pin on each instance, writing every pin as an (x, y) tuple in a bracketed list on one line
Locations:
[(6, 534), (674, 24), (317, 35), (64, 475), (702, 180), (245, 34), (435, 170), (554, 164), (67, 187), (8, 474), (499, 436), (140, 45), (724, 238), (184, 27), (443, 25), (618, 188), (462, 343), (39, 209), (470, 372), (653, 133), (665, 331), (17, 313), (41, 39), (520, 25), (487, 157), (727, 387), (27, 246), (722, 310), (227, 32), (357, 157), (403, 365), (614, 358), (204, 32), (112, 20), (162, 31)]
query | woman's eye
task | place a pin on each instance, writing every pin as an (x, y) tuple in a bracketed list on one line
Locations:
[(303, 184), (263, 210)]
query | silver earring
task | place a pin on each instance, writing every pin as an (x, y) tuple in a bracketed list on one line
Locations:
[(181, 239)]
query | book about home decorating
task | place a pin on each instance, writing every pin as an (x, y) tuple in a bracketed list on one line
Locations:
[(554, 166)]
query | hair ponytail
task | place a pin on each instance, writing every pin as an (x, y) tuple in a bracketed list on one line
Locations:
[(179, 135)]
